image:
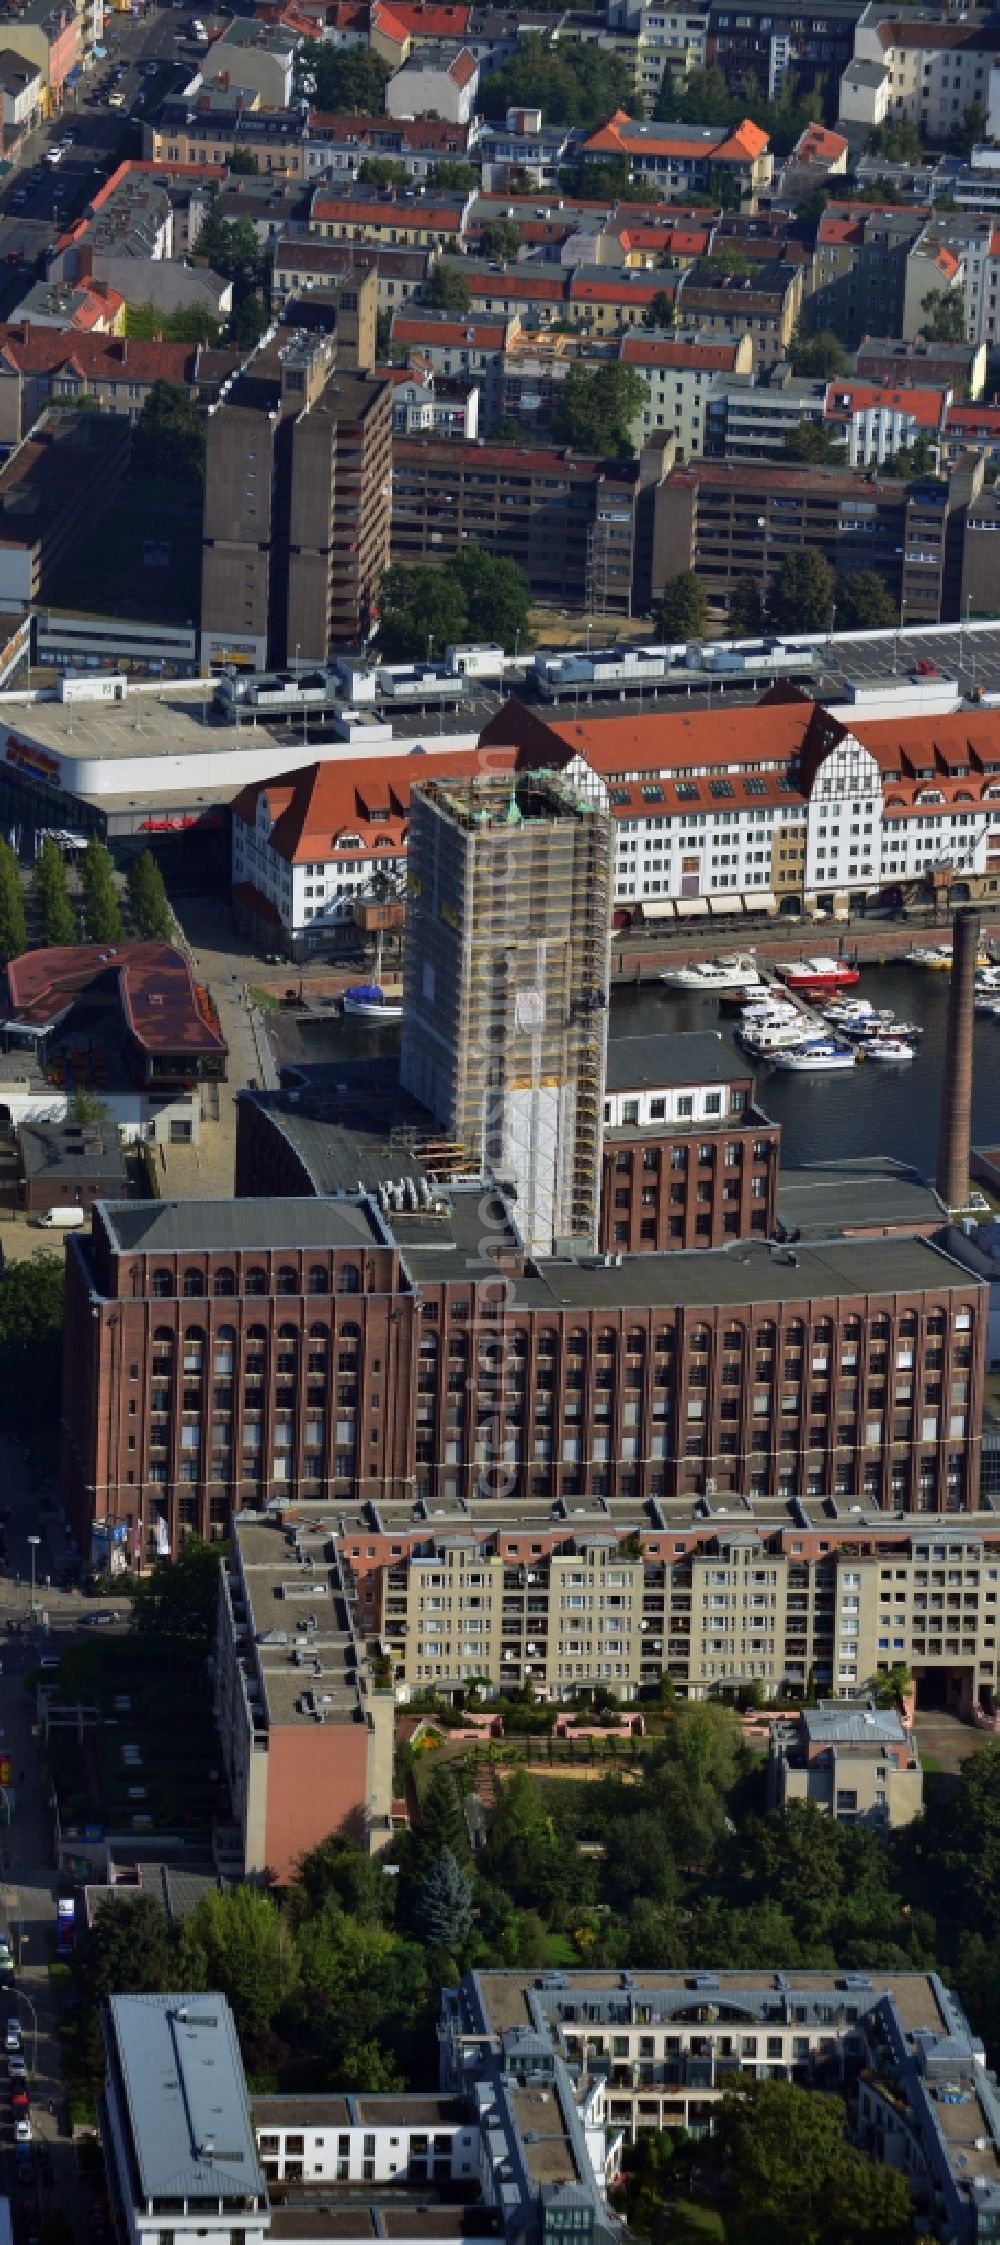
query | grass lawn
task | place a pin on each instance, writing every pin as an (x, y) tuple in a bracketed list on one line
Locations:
[(110, 573), (687, 2223)]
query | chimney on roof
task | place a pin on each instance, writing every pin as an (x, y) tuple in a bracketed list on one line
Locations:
[(955, 1134)]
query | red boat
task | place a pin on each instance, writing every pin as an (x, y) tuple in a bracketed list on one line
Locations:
[(813, 976)]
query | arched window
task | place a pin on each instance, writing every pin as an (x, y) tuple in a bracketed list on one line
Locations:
[(163, 1336), (319, 1279), (286, 1282), (256, 1280), (256, 1333), (163, 1284), (319, 1333), (288, 1332), (194, 1282), (350, 1332), (224, 1281), (348, 1279)]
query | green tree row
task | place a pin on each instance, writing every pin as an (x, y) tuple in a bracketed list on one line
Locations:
[(148, 899), (806, 595), (475, 596)]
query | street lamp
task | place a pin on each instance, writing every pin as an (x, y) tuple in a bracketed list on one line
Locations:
[(33, 1543)]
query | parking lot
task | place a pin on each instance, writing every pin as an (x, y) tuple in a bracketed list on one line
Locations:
[(970, 654)]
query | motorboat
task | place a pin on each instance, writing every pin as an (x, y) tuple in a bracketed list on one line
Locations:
[(737, 971), (988, 979), (816, 1056), (989, 1005), (368, 1002), (808, 975), (888, 1047), (778, 1035)]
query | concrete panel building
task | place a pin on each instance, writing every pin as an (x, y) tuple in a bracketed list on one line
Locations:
[(296, 518)]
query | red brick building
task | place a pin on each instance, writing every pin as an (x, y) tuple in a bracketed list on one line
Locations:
[(221, 1354), (688, 1159)]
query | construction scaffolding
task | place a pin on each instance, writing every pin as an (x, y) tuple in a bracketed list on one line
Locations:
[(506, 987)]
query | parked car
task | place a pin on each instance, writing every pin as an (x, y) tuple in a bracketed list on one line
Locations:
[(19, 2098), (12, 2036), (22, 2131), (102, 1620), (17, 2066)]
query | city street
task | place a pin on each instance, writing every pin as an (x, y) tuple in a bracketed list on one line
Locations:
[(26, 1845), (38, 199)]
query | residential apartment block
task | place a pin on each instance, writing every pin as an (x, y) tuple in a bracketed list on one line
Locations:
[(681, 375), (570, 523), (55, 487), (296, 514), (686, 159), (779, 800), (922, 71), (765, 307), (730, 519), (305, 1727), (178, 2146)]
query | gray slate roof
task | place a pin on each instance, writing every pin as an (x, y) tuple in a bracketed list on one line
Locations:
[(690, 1056)]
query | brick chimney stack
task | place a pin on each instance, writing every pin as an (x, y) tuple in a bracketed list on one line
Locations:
[(955, 1134)]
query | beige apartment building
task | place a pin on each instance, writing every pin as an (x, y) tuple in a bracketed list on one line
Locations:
[(852, 1760), (750, 1593)]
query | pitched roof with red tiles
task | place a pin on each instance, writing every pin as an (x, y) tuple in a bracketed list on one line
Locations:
[(844, 398), (425, 217), (974, 420), (431, 133), (622, 136), (817, 145), (463, 69), (316, 808), (478, 335), (431, 19), (623, 288), (46, 350), (715, 358)]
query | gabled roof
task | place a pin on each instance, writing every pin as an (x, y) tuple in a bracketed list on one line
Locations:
[(624, 137), (817, 145), (656, 350), (473, 334), (49, 350)]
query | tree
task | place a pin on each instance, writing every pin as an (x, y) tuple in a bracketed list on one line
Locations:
[(597, 408), (571, 84), (421, 610), (700, 97), (898, 140), (195, 324), (447, 290), (441, 1825), (248, 322), (176, 1605), (973, 126), (32, 1308), (746, 609), (148, 899), (102, 916), (445, 1906), (864, 602), (802, 595), (381, 171), (501, 240), (607, 181), (821, 354), (795, 2178), (13, 926), (126, 1952), (497, 599), (946, 321), (920, 458), (48, 882), (817, 443), (346, 79), (661, 311), (237, 1942), (453, 173), (683, 609), (169, 440), (243, 163)]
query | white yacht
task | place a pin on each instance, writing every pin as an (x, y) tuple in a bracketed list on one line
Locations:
[(737, 971)]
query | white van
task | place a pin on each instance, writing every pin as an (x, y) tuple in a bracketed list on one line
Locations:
[(62, 1219)]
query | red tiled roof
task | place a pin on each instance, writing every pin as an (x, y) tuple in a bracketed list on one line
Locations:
[(440, 217), (978, 420), (430, 19), (641, 350), (480, 335), (622, 136), (314, 807), (818, 145), (621, 288), (463, 69), (847, 397), (44, 350), (406, 132)]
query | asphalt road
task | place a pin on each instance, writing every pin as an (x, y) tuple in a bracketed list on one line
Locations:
[(145, 58)]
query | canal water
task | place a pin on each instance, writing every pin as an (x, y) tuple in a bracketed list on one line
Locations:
[(870, 1109), (875, 1108)]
